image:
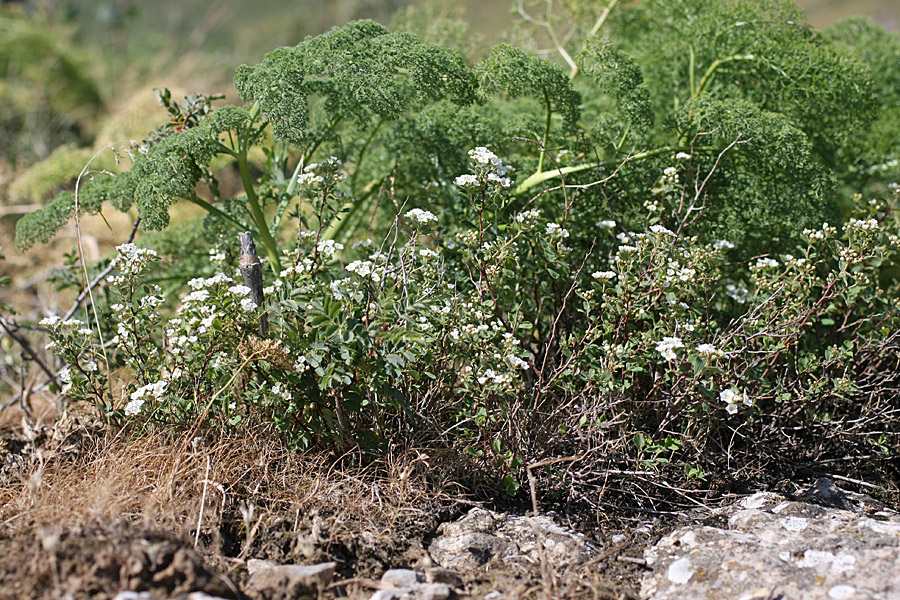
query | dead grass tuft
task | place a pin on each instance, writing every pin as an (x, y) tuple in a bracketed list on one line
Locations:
[(252, 496)]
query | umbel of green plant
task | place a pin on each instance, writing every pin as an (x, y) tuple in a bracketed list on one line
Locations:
[(782, 113)]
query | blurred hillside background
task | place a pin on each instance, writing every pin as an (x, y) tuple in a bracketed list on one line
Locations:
[(78, 75)]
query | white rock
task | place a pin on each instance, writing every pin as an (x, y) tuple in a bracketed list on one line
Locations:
[(680, 571)]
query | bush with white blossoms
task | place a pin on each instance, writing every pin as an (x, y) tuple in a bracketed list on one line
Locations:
[(467, 324)]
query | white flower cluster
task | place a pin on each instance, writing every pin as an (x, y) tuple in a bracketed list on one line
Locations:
[(57, 325), (723, 245), (328, 248), (709, 352), (528, 217), (606, 224), (285, 394), (338, 288), (820, 234), (65, 376), (151, 391), (732, 397), (216, 255), (303, 266), (242, 292), (467, 180), (660, 230), (517, 362), (556, 230), (670, 176), (737, 292), (624, 250), (867, 225), (667, 347), (682, 156), (765, 263), (420, 216), (604, 275), (316, 173), (489, 169), (685, 274), (493, 377), (366, 269), (130, 262), (198, 283)]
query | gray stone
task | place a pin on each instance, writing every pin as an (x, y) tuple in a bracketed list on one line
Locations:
[(406, 584), (771, 548), (433, 591), (483, 536), (286, 582), (254, 565), (402, 578), (391, 594)]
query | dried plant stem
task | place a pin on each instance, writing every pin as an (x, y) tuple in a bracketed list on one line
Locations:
[(202, 503)]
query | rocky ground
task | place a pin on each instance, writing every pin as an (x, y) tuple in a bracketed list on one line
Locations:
[(86, 514)]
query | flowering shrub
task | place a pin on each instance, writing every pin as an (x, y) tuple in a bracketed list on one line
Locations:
[(492, 326), (505, 307)]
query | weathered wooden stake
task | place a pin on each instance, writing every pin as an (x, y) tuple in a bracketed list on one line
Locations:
[(251, 271)]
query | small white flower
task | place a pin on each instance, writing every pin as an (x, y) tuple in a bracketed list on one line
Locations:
[(134, 407), (709, 351), (51, 322), (421, 216), (336, 292), (328, 248), (604, 275), (198, 296), (667, 347), (517, 362), (682, 156), (732, 397), (763, 263), (467, 180), (606, 224), (556, 229), (501, 181), (867, 225), (723, 245), (659, 229)]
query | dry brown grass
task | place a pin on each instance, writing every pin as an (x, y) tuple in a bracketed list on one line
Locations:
[(245, 487)]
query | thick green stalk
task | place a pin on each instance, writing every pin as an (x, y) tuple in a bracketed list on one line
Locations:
[(259, 218), (549, 106), (539, 178)]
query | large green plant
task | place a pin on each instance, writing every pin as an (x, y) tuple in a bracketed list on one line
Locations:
[(599, 271)]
